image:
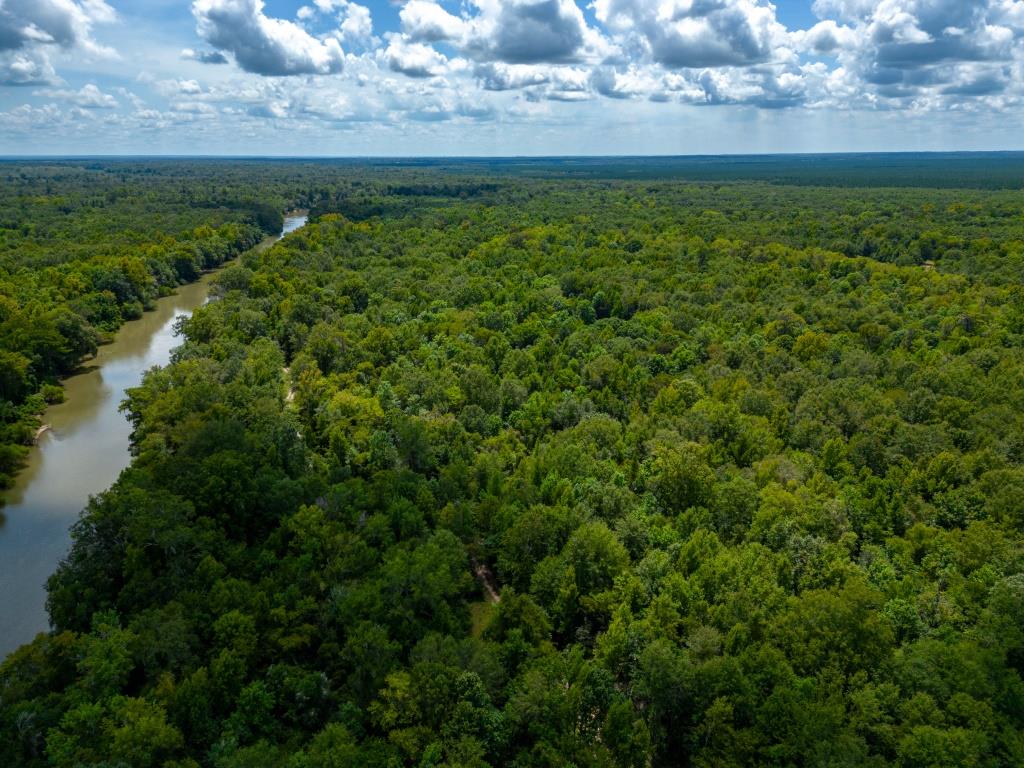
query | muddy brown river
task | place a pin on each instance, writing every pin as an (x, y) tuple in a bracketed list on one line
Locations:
[(82, 453)]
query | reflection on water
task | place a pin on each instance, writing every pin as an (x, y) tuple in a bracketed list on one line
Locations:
[(81, 455), (291, 223)]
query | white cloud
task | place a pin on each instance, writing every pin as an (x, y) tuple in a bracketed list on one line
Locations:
[(197, 108), (556, 62), (426, 21), (696, 33), (825, 37), (863, 53), (844, 10), (28, 118), (508, 31), (30, 29), (27, 67), (189, 86), (178, 87), (506, 77), (529, 32), (88, 97), (540, 82), (930, 54), (264, 45), (204, 57), (64, 23), (413, 59), (357, 24), (623, 84)]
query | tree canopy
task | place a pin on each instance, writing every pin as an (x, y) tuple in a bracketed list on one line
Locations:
[(744, 462)]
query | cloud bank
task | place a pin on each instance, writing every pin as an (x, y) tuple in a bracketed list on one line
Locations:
[(330, 65), (896, 54)]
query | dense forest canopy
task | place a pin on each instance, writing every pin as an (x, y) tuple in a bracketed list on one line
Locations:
[(489, 468), (84, 248)]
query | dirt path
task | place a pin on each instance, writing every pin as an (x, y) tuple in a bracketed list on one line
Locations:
[(290, 395), (487, 581)]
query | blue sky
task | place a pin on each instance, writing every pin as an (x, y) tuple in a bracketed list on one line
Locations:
[(508, 77)]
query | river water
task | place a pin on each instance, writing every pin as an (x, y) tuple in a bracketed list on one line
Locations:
[(82, 453)]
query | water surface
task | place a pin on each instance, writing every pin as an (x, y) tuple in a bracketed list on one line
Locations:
[(82, 453)]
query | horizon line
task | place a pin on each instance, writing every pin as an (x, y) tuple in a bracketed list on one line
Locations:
[(406, 158)]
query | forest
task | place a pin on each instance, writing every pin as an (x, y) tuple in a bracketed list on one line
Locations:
[(492, 467), (82, 249)]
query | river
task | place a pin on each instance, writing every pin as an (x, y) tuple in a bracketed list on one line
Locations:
[(82, 454)]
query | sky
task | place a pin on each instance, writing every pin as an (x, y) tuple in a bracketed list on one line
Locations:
[(509, 77)]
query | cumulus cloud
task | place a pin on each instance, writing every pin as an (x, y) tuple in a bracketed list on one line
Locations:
[(844, 10), (190, 87), (475, 59), (29, 29), (264, 45), (531, 32), (696, 33), (28, 118), (173, 89), (825, 37), (275, 110), (355, 22), (424, 21), (88, 97), (27, 67), (916, 52), (862, 53), (447, 109), (507, 77), (413, 59), (623, 84), (64, 23), (538, 82), (508, 31), (185, 110), (204, 57)]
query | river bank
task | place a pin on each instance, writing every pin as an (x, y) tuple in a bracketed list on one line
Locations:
[(81, 453)]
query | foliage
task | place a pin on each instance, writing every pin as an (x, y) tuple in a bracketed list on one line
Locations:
[(745, 460), (84, 249)]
